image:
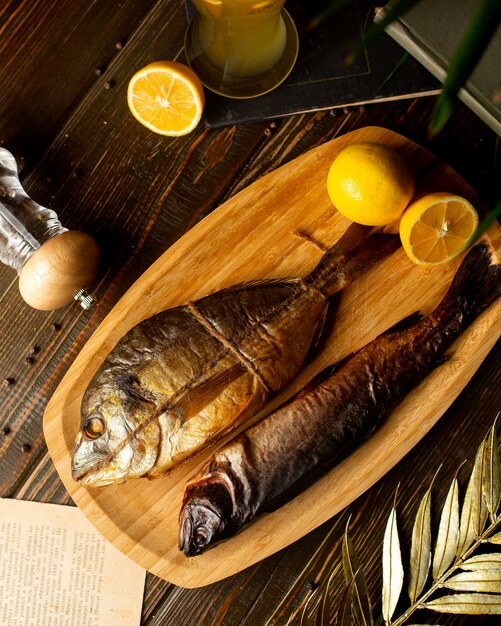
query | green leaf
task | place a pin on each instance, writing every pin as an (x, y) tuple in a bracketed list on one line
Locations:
[(490, 561), (466, 604), (492, 473), (479, 581), (396, 68), (362, 611), (474, 41), (474, 512), (486, 223), (420, 556), (448, 532), (393, 572)]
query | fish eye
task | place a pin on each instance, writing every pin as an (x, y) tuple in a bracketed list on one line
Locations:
[(94, 427)]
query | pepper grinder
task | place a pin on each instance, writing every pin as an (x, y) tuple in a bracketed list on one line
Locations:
[(54, 264)]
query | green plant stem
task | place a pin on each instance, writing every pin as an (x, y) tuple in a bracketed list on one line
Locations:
[(438, 584), (394, 10), (493, 215)]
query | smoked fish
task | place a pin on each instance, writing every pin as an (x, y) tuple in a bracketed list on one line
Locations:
[(187, 375), (271, 462)]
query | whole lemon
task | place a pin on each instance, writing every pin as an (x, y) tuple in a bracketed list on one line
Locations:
[(369, 183)]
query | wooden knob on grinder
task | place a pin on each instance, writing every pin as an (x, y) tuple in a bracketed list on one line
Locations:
[(59, 269)]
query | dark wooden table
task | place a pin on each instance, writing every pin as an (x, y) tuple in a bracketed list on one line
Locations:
[(64, 67)]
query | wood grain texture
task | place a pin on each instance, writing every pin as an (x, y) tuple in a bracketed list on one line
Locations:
[(138, 193), (49, 66), (252, 236)]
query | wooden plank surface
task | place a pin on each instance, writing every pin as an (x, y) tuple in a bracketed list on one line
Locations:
[(252, 236), (49, 68), (138, 193)]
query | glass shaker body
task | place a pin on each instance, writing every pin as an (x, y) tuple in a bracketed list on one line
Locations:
[(24, 225), (54, 264)]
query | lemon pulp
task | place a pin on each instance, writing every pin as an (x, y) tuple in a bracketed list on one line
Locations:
[(437, 227)]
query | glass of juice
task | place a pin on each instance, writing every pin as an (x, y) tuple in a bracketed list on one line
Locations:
[(241, 48)]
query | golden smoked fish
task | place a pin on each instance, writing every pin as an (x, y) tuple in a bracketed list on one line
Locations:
[(184, 377), (271, 462)]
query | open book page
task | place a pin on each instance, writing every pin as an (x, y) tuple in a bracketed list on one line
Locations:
[(57, 570)]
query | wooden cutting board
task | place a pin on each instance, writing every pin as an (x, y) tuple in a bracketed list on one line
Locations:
[(255, 235)]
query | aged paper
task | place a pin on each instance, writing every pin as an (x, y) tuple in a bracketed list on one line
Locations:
[(57, 570)]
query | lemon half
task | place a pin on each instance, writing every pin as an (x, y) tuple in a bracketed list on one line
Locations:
[(167, 97), (437, 227)]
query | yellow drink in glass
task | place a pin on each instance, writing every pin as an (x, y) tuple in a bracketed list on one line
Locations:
[(242, 37), (241, 48)]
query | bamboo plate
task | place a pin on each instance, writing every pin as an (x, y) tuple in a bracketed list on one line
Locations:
[(255, 235)]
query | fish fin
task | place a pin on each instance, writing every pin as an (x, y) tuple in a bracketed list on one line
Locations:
[(403, 324), (360, 248), (329, 370), (477, 282), (315, 381), (376, 248), (441, 360), (259, 282), (321, 376), (197, 398), (324, 327), (351, 238), (130, 386)]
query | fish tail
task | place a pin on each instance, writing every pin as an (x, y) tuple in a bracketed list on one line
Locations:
[(477, 282), (360, 248)]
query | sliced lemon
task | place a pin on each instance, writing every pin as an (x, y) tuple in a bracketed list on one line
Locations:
[(437, 227), (166, 97)]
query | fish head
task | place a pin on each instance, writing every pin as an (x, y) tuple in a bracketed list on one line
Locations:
[(117, 440), (205, 518)]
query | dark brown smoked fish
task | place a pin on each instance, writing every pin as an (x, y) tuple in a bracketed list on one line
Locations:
[(183, 377), (274, 460)]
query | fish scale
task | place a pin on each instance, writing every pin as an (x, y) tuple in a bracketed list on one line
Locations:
[(270, 333), (186, 376)]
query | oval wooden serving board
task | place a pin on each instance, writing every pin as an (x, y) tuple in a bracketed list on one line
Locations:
[(255, 235)]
